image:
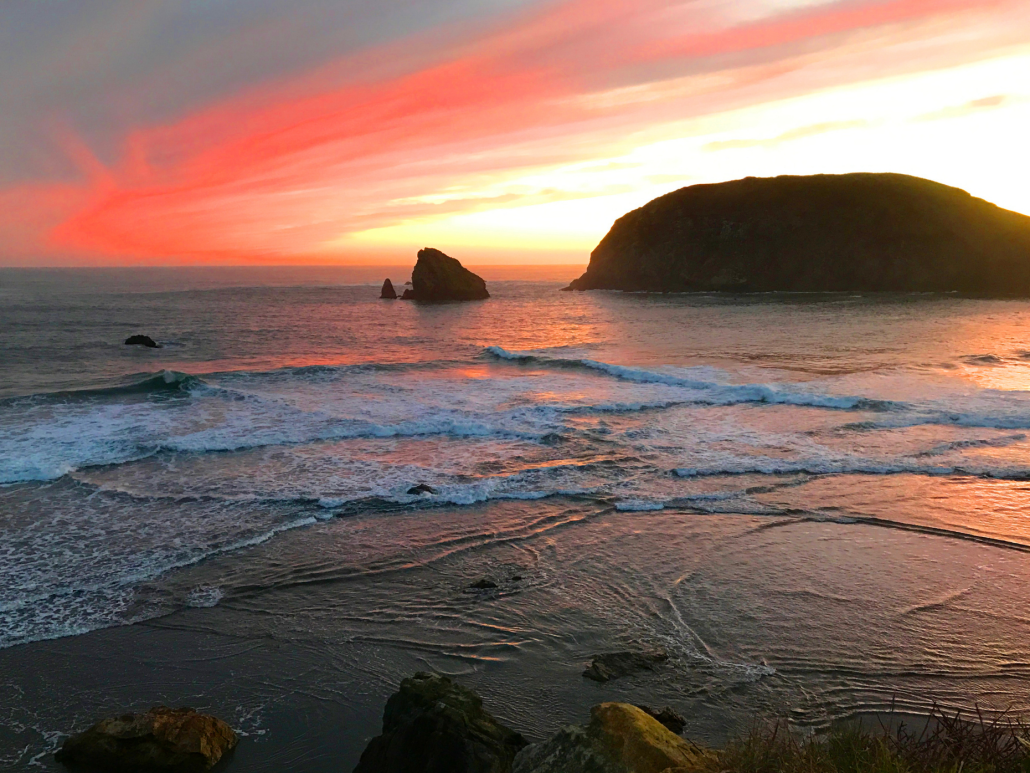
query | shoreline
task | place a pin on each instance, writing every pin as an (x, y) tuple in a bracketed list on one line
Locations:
[(302, 662)]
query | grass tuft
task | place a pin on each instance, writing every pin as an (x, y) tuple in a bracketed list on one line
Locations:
[(949, 743)]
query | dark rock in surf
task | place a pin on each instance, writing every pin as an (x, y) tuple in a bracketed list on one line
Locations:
[(432, 725), (162, 739), (408, 295), (388, 292), (613, 665), (439, 277), (141, 340), (667, 716), (852, 232), (484, 584), (421, 488)]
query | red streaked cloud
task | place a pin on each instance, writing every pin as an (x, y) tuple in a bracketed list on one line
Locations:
[(410, 129)]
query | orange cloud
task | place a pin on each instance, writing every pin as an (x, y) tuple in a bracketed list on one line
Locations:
[(369, 140)]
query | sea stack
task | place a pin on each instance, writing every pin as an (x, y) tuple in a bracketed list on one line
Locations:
[(439, 277), (388, 292), (825, 233)]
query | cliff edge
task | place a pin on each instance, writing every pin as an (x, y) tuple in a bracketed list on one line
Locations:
[(825, 233)]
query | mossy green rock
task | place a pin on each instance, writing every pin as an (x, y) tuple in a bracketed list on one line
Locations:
[(439, 277), (619, 739), (824, 233), (432, 725)]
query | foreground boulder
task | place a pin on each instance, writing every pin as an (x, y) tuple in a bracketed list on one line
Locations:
[(439, 277), (432, 725), (853, 232), (388, 292), (613, 665), (619, 739), (162, 739), (141, 340)]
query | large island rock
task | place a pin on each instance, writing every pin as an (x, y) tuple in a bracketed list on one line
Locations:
[(161, 740), (439, 277), (432, 725), (853, 232), (619, 739)]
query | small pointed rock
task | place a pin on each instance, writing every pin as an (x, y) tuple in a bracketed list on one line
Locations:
[(388, 291)]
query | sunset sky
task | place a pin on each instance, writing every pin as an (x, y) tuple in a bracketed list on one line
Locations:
[(501, 131)]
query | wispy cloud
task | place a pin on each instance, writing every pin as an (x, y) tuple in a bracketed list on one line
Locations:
[(789, 136), (973, 106)]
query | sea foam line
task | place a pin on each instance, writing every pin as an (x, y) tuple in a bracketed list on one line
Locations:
[(719, 394)]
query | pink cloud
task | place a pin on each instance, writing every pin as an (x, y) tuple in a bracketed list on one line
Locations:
[(279, 170)]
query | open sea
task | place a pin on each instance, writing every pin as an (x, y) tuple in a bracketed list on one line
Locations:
[(818, 504)]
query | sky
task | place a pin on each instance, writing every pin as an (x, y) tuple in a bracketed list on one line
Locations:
[(153, 132)]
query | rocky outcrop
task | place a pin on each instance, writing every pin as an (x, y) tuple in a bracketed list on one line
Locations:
[(432, 725), (162, 739), (854, 232), (142, 340), (388, 292), (668, 716), (439, 277), (619, 739), (613, 665)]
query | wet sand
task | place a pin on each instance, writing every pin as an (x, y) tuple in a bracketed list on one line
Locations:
[(763, 616)]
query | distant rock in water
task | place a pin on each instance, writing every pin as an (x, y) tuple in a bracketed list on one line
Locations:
[(421, 488), (388, 292), (141, 340), (826, 233), (163, 739), (439, 277), (432, 725)]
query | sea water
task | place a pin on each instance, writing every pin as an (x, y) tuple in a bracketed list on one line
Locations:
[(817, 503)]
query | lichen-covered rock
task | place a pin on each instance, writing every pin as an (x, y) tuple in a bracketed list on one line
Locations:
[(619, 739), (613, 665), (432, 725), (852, 232), (439, 277), (388, 292), (162, 740)]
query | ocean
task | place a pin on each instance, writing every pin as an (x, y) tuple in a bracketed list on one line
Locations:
[(817, 504)]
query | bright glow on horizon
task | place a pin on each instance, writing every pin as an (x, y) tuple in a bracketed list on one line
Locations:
[(964, 127), (527, 140)]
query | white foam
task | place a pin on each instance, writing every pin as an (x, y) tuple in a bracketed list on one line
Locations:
[(638, 506), (204, 596)]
